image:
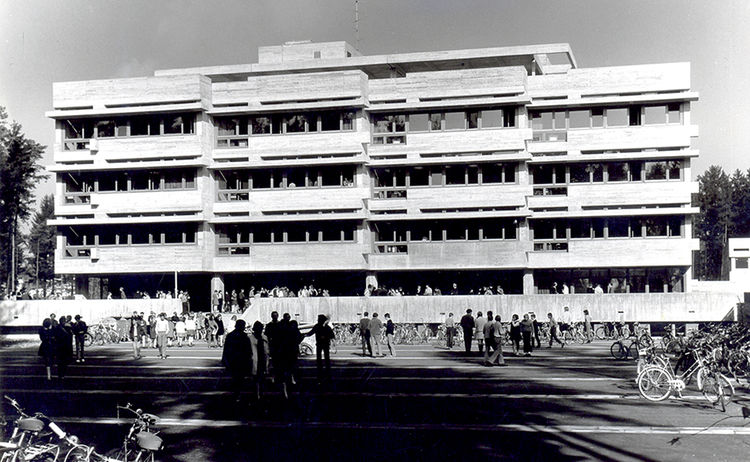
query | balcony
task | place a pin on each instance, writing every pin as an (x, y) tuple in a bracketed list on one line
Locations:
[(549, 135)]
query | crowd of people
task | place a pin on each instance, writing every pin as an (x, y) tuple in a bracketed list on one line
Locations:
[(57, 339), (273, 349), (428, 290)]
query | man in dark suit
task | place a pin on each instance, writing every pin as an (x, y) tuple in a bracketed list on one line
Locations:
[(467, 324), (238, 357)]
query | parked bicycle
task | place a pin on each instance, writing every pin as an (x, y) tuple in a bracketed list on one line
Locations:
[(33, 438)]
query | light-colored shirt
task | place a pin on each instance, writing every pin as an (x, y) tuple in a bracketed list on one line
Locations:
[(162, 326), (479, 325), (376, 325)]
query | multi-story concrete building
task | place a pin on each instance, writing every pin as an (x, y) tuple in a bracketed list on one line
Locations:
[(498, 166)]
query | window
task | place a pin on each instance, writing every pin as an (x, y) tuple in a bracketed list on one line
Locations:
[(674, 169), (741, 263), (655, 226), (635, 170), (144, 126), (617, 117), (383, 124), (597, 228), (419, 176), (492, 173), (472, 119), (122, 127), (262, 179), (178, 124), (634, 116), (436, 176), (418, 122), (492, 118), (509, 117), (435, 122), (673, 113), (617, 171), (578, 119), (580, 228), (260, 125), (347, 121), (295, 123), (656, 170), (455, 175), (454, 121), (655, 115), (674, 226), (329, 121), (597, 117), (105, 128), (617, 227)]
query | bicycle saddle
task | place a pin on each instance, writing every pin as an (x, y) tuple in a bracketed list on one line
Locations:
[(30, 424), (149, 441)]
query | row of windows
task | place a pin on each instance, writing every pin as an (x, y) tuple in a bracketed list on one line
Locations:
[(133, 180), (281, 178), (276, 233), (119, 127), (151, 234), (598, 117), (603, 228), (606, 171), (446, 230), (233, 131), (384, 126), (439, 175)]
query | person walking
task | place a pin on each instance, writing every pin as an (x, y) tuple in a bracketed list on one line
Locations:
[(259, 343), (553, 332), (535, 324), (479, 323), (376, 328), (467, 324), (498, 332), (323, 337), (390, 332), (162, 329), (364, 333), (237, 357), (79, 334), (489, 339), (211, 329), (450, 324), (47, 348), (219, 330), (527, 328), (272, 334), (587, 326), (515, 334)]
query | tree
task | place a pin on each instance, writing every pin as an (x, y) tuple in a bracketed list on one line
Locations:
[(20, 171), (740, 204), (713, 222), (41, 244)]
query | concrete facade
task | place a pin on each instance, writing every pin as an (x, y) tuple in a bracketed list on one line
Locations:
[(498, 166)]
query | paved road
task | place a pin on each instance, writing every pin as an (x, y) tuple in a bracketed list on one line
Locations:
[(427, 403)]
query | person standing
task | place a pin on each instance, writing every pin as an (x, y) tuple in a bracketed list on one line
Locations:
[(479, 323), (587, 326), (219, 330), (515, 334), (498, 332), (47, 347), (162, 329), (489, 340), (237, 357), (190, 329), (272, 333), (527, 328), (323, 336), (376, 327), (64, 346), (553, 331), (467, 324), (79, 333), (364, 333), (211, 329), (259, 343), (535, 324), (390, 332), (450, 324), (135, 335)]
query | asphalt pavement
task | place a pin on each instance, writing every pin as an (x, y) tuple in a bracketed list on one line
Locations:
[(426, 403)]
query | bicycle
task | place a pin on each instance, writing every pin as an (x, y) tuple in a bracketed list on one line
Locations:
[(657, 383), (140, 444), (27, 442)]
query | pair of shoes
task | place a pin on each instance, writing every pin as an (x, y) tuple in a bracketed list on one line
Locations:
[(527, 354), (549, 347)]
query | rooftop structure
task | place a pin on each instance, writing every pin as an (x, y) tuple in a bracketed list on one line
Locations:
[(489, 167)]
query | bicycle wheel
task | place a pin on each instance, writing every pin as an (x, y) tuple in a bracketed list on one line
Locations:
[(601, 333), (653, 383), (717, 389), (99, 338), (49, 455), (633, 350), (305, 349), (580, 337), (619, 351), (645, 340), (333, 349), (88, 339), (77, 454)]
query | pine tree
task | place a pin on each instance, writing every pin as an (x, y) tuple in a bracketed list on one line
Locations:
[(714, 220), (41, 244)]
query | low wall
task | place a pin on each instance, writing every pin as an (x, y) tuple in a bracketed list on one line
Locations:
[(653, 307), (19, 313)]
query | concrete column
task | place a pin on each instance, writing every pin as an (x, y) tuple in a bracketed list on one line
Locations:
[(82, 285), (217, 283), (528, 282), (371, 279)]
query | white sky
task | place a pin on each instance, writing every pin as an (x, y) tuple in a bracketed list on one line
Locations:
[(46, 41)]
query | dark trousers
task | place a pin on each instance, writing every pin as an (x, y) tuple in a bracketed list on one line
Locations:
[(468, 339), (237, 383), (526, 342), (449, 334), (366, 342), (323, 361), (80, 340), (553, 337)]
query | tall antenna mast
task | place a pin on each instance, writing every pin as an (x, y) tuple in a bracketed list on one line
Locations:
[(356, 22)]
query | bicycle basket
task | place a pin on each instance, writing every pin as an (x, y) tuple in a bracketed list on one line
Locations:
[(30, 424), (149, 441)]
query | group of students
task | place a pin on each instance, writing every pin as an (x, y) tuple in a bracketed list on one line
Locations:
[(57, 339), (490, 333), (162, 331), (273, 349), (370, 330)]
